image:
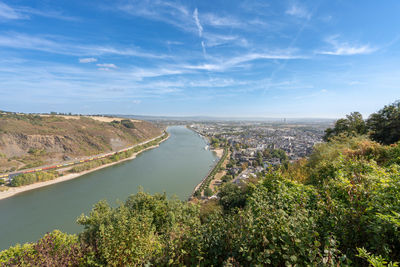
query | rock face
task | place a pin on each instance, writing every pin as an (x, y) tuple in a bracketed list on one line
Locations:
[(15, 145), (29, 139)]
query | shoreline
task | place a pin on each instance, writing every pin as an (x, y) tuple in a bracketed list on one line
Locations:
[(16, 190)]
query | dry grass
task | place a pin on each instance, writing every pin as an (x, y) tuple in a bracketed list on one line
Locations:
[(29, 140), (97, 118)]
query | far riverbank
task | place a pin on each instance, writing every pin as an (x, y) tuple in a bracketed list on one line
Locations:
[(16, 190)]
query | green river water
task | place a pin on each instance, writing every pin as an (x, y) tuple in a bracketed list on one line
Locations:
[(175, 167)]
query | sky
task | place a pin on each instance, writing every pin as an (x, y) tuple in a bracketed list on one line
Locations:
[(286, 58)]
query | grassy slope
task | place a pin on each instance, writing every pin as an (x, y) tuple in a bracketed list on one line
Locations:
[(29, 141)]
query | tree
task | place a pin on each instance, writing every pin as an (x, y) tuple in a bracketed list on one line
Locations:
[(232, 196), (352, 125), (385, 124), (128, 124), (208, 192)]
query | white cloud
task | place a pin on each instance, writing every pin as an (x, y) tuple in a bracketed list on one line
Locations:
[(106, 65), (87, 60), (298, 11), (7, 12), (53, 45), (21, 12), (219, 21), (136, 101), (140, 73), (45, 13), (197, 21), (165, 11), (223, 64), (214, 39), (203, 46), (346, 49)]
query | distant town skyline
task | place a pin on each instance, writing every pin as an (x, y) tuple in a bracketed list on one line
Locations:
[(258, 59)]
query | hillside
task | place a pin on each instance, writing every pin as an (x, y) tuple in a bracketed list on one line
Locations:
[(31, 140)]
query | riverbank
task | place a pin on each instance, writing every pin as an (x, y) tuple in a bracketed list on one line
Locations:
[(219, 152), (210, 175), (16, 190)]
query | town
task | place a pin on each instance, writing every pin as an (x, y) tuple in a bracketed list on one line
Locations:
[(256, 147)]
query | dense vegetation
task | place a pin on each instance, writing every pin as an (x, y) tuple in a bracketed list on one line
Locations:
[(31, 178), (382, 126)]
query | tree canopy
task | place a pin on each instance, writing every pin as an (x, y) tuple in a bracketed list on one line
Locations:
[(382, 126)]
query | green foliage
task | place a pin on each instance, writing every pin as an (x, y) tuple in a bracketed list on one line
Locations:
[(208, 192), (385, 124), (120, 238), (382, 126), (54, 249), (352, 125), (232, 196), (145, 229), (128, 124), (30, 178), (227, 178), (376, 261)]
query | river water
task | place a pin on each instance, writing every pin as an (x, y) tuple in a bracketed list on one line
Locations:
[(175, 167)]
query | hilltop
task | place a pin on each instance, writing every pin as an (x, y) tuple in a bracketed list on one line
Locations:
[(28, 141)]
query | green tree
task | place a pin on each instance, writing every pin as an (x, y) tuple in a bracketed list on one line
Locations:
[(384, 125), (208, 192), (352, 125)]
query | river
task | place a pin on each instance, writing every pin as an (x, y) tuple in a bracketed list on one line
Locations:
[(175, 167)]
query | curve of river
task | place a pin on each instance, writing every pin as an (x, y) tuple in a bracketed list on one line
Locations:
[(175, 167)]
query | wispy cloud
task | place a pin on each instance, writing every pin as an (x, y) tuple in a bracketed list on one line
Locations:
[(54, 14), (23, 12), (220, 21), (57, 45), (9, 13), (346, 49), (223, 64), (299, 11), (106, 65), (87, 60), (141, 73), (169, 12), (197, 21), (214, 39)]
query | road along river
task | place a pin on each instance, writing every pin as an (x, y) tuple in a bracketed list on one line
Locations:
[(175, 167)]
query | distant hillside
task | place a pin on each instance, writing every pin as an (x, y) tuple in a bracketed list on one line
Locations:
[(32, 140)]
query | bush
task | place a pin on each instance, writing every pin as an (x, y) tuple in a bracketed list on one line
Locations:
[(30, 178), (54, 249)]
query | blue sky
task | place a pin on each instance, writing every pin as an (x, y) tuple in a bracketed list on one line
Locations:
[(265, 58)]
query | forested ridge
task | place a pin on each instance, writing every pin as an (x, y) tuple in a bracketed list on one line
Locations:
[(339, 207)]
